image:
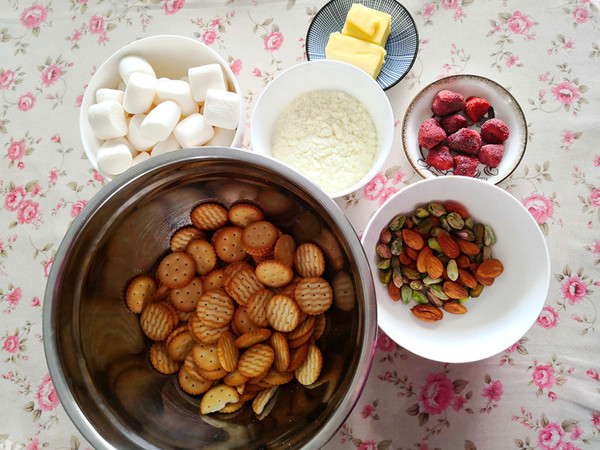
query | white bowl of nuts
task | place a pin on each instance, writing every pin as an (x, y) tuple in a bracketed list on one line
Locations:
[(462, 269)]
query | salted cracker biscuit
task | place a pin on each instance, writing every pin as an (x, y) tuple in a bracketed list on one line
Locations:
[(231, 269), (252, 337), (320, 326), (183, 236), (213, 280), (173, 313), (202, 332), (309, 260), (243, 214), (180, 345), (314, 295), (256, 360), (227, 242), (227, 352), (298, 342), (232, 407), (191, 384), (330, 247), (162, 292), (275, 377), (307, 326), (203, 254), (209, 216), (176, 270), (283, 313), (262, 398), (310, 369), (259, 238), (297, 357), (156, 321), (161, 360), (217, 397), (215, 308), (186, 298), (243, 285), (257, 306), (140, 291), (343, 291), (235, 378), (289, 290), (206, 356), (282, 351), (284, 249), (241, 322), (274, 273), (212, 374)]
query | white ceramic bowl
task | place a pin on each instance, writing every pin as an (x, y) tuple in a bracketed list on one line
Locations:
[(503, 312), (323, 75), (171, 56), (504, 105)]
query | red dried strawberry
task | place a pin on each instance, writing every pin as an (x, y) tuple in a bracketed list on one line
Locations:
[(465, 140), (453, 123), (465, 165), (495, 131), (431, 134), (477, 107), (447, 102), (440, 157), (491, 154)]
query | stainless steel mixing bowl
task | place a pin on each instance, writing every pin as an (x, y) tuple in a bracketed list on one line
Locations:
[(97, 354)]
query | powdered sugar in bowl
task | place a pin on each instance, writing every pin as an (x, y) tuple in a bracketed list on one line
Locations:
[(329, 121)]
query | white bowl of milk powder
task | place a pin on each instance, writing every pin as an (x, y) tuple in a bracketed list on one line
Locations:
[(329, 121)]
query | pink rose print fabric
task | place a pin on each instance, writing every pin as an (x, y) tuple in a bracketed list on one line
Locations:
[(540, 392)]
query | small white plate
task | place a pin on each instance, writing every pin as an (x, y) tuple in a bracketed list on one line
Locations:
[(503, 106), (503, 312)]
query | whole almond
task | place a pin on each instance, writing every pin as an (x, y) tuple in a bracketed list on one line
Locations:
[(412, 239), (463, 261), (486, 281), (427, 312), (468, 248), (454, 290), (448, 245), (454, 308), (434, 266), (490, 268), (423, 255), (456, 207), (467, 279)]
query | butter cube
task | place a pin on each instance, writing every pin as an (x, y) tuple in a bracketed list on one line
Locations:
[(359, 53), (367, 24)]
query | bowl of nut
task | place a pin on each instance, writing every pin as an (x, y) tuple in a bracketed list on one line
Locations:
[(157, 95), (209, 300), (465, 125), (462, 269)]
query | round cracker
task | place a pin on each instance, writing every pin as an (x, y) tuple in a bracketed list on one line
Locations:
[(203, 254), (215, 309), (314, 295), (274, 273), (309, 260), (180, 345), (186, 298), (156, 321), (284, 249), (190, 383), (227, 351), (310, 369), (217, 397), (256, 360), (209, 216), (257, 307), (243, 214), (161, 360), (283, 313), (206, 356), (213, 281), (140, 291), (182, 237), (259, 238), (176, 270), (228, 244)]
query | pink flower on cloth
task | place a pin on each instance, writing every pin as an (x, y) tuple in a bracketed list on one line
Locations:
[(493, 392), (540, 206), (77, 207), (273, 41), (16, 150), (47, 268), (573, 289), (450, 4), (565, 93), (596, 420), (385, 343), (595, 198), (367, 445), (26, 102), (14, 199), (551, 436), (51, 74), (173, 6), (436, 394), (7, 79), (96, 24), (374, 188), (543, 377), (28, 212), (593, 374), (34, 16), (581, 14), (256, 72), (13, 298), (459, 402), (46, 395), (34, 445), (519, 23), (11, 344), (209, 37), (367, 411), (548, 318), (511, 60), (236, 67)]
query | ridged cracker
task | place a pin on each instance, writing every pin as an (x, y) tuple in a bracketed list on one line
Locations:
[(310, 369), (156, 321), (243, 285), (215, 309), (314, 295), (227, 351), (282, 351), (283, 313), (182, 237), (209, 216), (243, 214), (256, 360), (309, 260), (257, 307), (161, 360)]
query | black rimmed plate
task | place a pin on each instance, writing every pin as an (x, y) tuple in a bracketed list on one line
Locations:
[(401, 46)]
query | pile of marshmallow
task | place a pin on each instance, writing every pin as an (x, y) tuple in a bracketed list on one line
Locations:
[(146, 116)]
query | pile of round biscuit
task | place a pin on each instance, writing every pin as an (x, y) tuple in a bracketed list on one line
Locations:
[(236, 308)]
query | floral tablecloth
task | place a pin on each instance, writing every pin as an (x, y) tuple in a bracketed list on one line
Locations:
[(542, 392)]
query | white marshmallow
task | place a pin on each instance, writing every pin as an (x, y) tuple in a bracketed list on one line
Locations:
[(178, 91), (106, 95), (222, 137), (222, 109), (132, 63), (202, 78), (193, 131), (115, 156), (139, 93), (121, 86), (168, 145), (107, 120), (142, 156), (160, 122), (136, 138)]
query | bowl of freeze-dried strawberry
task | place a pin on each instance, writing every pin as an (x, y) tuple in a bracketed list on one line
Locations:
[(465, 125)]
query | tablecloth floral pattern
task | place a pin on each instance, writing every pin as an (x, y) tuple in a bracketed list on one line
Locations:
[(543, 392)]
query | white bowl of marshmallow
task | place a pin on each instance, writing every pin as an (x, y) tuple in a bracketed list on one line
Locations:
[(158, 95)]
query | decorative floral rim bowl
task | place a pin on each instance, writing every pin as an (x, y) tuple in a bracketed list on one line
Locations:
[(401, 47), (504, 311), (503, 106)]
